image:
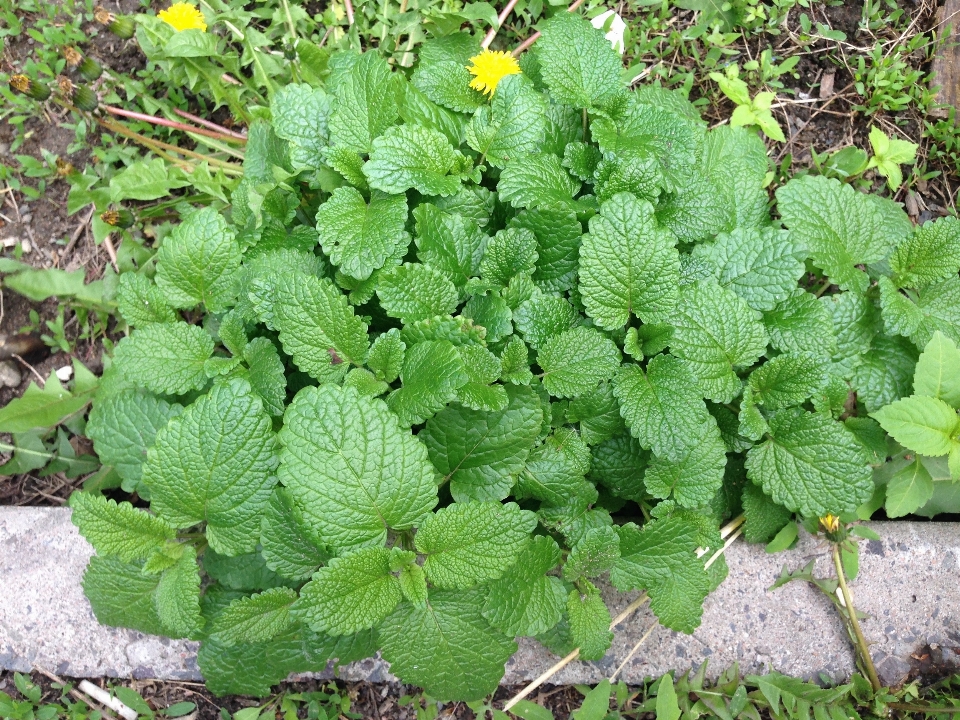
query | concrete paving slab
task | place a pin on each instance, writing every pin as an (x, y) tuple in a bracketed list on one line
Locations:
[(908, 584)]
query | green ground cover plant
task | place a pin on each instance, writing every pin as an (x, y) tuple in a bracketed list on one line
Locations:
[(393, 395)]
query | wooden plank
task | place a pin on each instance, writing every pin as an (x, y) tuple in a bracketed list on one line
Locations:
[(946, 64)]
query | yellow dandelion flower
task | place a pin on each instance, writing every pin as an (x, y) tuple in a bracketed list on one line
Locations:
[(181, 16), (830, 523), (489, 68)]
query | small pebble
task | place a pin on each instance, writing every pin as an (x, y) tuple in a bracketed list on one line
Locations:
[(65, 373), (10, 375)]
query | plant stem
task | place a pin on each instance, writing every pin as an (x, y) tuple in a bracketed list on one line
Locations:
[(862, 646), (501, 18), (154, 120), (209, 125)]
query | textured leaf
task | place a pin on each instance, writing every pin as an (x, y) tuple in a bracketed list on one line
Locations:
[(923, 424), (266, 374), (415, 292), (544, 316), (366, 106), (696, 211), (761, 265), (300, 115), (839, 226), (512, 125), (214, 464), (800, 323), (578, 64), (359, 237), (469, 543), (432, 372), (764, 517), (716, 332), (442, 72), (885, 372), (856, 321), (446, 647), (908, 490), (598, 414), (526, 601), (663, 407), (938, 371), (140, 302), (576, 361), (510, 252), (352, 469), (628, 264), (787, 380), (694, 477), (536, 180), (735, 158), (353, 592), (554, 470), (933, 308), (661, 558), (165, 358), (197, 262), (410, 156), (121, 595), (386, 355), (449, 242), (593, 555), (589, 622), (178, 596), (619, 464), (811, 464), (255, 618), (931, 253), (122, 427), (481, 452), (288, 547), (119, 530), (558, 233)]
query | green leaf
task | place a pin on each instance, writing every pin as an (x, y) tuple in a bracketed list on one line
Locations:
[(735, 160), (317, 326), (787, 380), (386, 355), (357, 237), (593, 555), (367, 103), (760, 265), (536, 180), (140, 302), (554, 470), (413, 584), (491, 312), (544, 316), (930, 253), (885, 372), (811, 464), (287, 545), (923, 424), (598, 414), (121, 595), (410, 156), (938, 371), (300, 115), (353, 592), (449, 242), (481, 452), (432, 372), (442, 72), (178, 596), (413, 292), (628, 264), (576, 361), (800, 323), (165, 358), (619, 464), (589, 621), (661, 557), (145, 180), (38, 408), (667, 706), (695, 476), (255, 618), (264, 155), (764, 517), (469, 543), (908, 490), (512, 125), (716, 332), (351, 468), (119, 530), (510, 252), (856, 321), (214, 464), (931, 308), (839, 225), (596, 703), (266, 374), (446, 647), (663, 407), (198, 261), (525, 600), (577, 62), (696, 211), (558, 233)]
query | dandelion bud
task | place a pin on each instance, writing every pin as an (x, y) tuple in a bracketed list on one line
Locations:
[(118, 218), (123, 27), (85, 98), (23, 84), (90, 69), (73, 56)]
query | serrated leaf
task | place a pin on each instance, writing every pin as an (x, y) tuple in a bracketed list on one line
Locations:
[(491, 312), (165, 357), (787, 380), (885, 373), (938, 370), (908, 490), (800, 323), (929, 309), (525, 601), (663, 407), (811, 464), (543, 317), (735, 158), (576, 361), (468, 543), (359, 237), (589, 622), (930, 253), (763, 517), (693, 477), (266, 374), (481, 452), (121, 595), (247, 572), (512, 125), (536, 180), (558, 233), (554, 470), (432, 372), (255, 618), (119, 530), (418, 109), (510, 252), (178, 596), (856, 321), (446, 647), (716, 332), (386, 355), (629, 265), (366, 106), (140, 302), (287, 546), (839, 226), (415, 292), (619, 464), (695, 212), (123, 425), (410, 156), (590, 76), (593, 555), (353, 592), (300, 115), (442, 72), (449, 242), (352, 469), (923, 424), (661, 558), (197, 262), (598, 414)]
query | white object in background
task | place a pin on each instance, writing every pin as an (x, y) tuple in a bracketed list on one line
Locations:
[(615, 34), (64, 373), (104, 698)]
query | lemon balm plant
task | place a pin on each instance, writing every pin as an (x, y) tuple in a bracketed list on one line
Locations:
[(467, 340)]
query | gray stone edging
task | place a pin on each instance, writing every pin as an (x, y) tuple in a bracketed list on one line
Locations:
[(908, 584)]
